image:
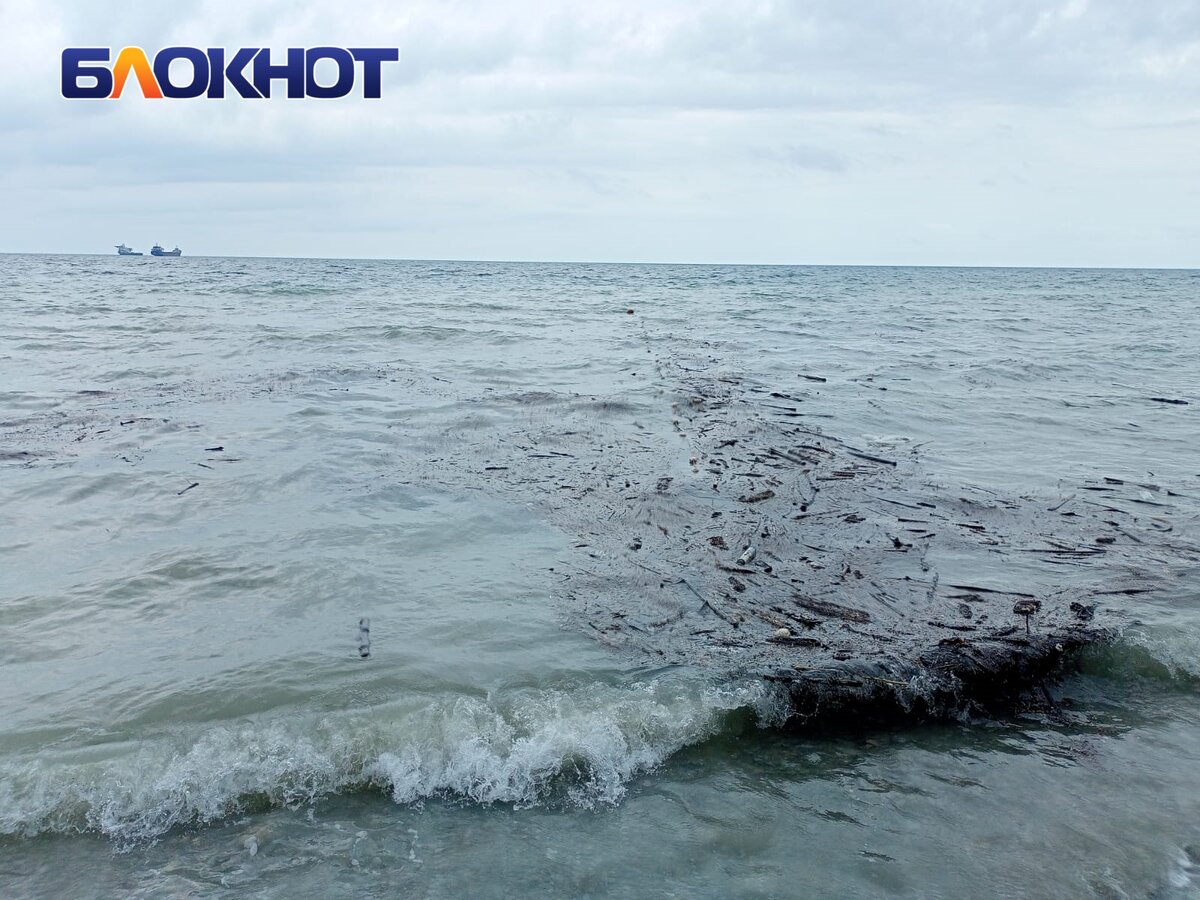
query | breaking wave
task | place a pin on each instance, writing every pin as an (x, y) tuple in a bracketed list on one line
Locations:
[(1165, 654), (577, 747)]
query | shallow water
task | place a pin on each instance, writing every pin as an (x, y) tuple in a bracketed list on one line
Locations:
[(182, 706)]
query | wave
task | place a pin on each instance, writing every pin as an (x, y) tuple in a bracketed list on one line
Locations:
[(1169, 655), (578, 747)]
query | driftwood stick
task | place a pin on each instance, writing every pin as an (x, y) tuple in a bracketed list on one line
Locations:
[(983, 590), (874, 459), (734, 622), (788, 456)]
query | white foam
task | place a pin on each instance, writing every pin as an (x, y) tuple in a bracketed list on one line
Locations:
[(579, 746), (1176, 648), (1154, 651)]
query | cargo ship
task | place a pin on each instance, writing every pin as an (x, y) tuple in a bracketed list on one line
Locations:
[(122, 250), (157, 250)]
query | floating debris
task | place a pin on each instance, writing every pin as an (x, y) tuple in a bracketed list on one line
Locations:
[(827, 601), (364, 638), (1027, 608), (897, 592)]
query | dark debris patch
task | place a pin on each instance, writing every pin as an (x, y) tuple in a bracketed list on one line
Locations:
[(873, 592)]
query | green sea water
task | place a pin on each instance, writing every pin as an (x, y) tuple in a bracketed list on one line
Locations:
[(183, 710)]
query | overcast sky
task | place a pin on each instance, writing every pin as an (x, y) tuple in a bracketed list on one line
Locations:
[(875, 131)]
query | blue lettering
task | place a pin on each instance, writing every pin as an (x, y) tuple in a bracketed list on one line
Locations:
[(73, 68), (372, 59), (86, 72), (345, 67), (234, 73), (292, 71)]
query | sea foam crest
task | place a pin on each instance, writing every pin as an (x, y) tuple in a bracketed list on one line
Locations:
[(578, 747), (1175, 648), (1158, 653)]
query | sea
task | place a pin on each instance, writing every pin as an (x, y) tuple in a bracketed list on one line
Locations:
[(220, 485)]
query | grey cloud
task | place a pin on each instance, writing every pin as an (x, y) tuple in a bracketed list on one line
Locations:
[(620, 129), (802, 157)]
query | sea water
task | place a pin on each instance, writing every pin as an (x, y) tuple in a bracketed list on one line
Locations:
[(211, 469)]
